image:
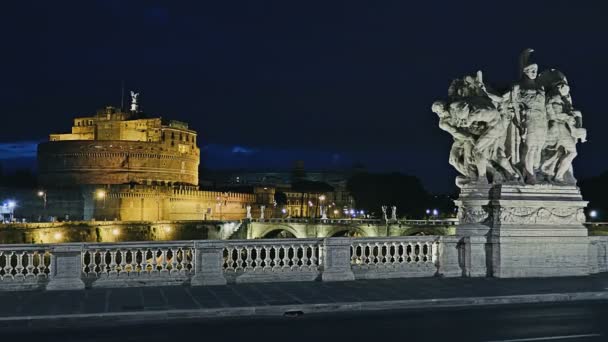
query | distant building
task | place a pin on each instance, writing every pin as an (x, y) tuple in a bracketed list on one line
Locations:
[(126, 166), (299, 202)]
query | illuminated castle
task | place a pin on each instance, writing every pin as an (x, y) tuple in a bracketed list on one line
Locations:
[(118, 165)]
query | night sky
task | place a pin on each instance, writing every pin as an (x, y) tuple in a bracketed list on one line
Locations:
[(268, 82)]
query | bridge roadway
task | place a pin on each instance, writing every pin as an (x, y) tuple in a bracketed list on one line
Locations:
[(569, 322), (425, 309)]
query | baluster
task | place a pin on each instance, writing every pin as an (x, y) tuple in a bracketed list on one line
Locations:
[(18, 265), (275, 257), (123, 262), (248, 262), (174, 252), (409, 251), (235, 254), (305, 259), (296, 260), (258, 258), (401, 252), (374, 254), (83, 264), (234, 257), (92, 264), (113, 267), (267, 260), (285, 256), (154, 254), (135, 265), (30, 265), (147, 261), (240, 262), (226, 253), (364, 252), (178, 258), (356, 257), (226, 257), (190, 260), (423, 254), (391, 252), (38, 266), (164, 270), (103, 266), (11, 268)]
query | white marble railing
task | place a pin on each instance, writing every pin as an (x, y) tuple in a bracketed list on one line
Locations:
[(216, 262), (151, 262), (394, 251), (24, 265), (414, 256), (280, 259)]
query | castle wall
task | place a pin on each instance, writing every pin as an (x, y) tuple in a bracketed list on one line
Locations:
[(64, 163), (153, 203)]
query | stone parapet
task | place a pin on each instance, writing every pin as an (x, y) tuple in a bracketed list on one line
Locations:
[(523, 230)]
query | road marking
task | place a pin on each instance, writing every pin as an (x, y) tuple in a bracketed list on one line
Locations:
[(547, 338)]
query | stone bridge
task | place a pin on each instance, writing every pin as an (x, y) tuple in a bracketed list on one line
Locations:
[(322, 228)]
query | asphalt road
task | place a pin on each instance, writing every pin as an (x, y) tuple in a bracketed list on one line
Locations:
[(583, 321)]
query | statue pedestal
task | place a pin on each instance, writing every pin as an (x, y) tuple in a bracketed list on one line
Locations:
[(525, 230)]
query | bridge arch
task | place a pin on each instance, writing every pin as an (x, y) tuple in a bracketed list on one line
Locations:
[(348, 231), (421, 231), (281, 231)]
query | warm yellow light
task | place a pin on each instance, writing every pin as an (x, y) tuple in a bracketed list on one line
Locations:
[(115, 232), (335, 212), (322, 197), (101, 194), (40, 193), (57, 236)]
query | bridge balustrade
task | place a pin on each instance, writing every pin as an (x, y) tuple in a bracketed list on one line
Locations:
[(24, 266), (140, 263), (216, 262)]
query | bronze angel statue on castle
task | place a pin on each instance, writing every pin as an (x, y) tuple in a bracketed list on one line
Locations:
[(527, 135)]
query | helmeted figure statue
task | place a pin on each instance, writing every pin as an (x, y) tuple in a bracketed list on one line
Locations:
[(527, 134), (514, 149)]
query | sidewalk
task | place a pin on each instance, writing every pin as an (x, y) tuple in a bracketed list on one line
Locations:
[(39, 309)]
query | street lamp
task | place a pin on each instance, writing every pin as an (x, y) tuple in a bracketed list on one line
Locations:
[(42, 194), (321, 208), (101, 195)]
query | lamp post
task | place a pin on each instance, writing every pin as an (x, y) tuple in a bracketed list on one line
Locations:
[(321, 200), (101, 195), (42, 194)]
